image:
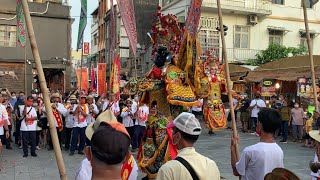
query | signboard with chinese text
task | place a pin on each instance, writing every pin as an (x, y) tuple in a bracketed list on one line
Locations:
[(304, 87), (268, 87)]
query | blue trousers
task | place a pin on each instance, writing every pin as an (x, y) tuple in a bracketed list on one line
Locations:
[(254, 123), (78, 132), (285, 129), (137, 135)]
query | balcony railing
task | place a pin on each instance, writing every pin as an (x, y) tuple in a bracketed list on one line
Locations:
[(242, 6), (235, 54)]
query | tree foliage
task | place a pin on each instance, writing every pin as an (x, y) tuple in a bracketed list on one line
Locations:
[(275, 52)]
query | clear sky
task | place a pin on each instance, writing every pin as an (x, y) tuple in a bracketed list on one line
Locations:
[(75, 13)]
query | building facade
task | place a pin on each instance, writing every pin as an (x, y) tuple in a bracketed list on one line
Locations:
[(252, 25), (52, 26)]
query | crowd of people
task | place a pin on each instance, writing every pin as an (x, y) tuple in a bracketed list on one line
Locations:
[(107, 129)]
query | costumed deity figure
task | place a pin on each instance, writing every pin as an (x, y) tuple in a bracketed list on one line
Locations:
[(156, 148), (211, 80)]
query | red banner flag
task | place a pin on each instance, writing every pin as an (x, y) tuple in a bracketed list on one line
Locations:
[(93, 85), (85, 75), (86, 48), (115, 76), (126, 9), (193, 18), (102, 75), (78, 74)]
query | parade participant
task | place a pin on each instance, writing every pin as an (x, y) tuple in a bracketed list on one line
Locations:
[(36, 106), (13, 98), (80, 114), (8, 108), (112, 105), (259, 159), (197, 110), (93, 109), (140, 124), (71, 102), (43, 121), (19, 117), (58, 110), (127, 117), (155, 148), (129, 169), (256, 105), (296, 121), (244, 114), (285, 114), (188, 164), (4, 129), (28, 127)]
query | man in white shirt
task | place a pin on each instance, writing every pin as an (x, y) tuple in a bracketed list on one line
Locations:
[(189, 164), (140, 125), (71, 102), (258, 160), (129, 167), (256, 105), (112, 105), (4, 129), (58, 110), (93, 109), (80, 112), (197, 110), (29, 127), (127, 117)]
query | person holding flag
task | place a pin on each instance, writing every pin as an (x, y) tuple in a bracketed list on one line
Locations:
[(58, 110)]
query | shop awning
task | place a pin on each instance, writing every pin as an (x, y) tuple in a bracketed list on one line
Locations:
[(238, 72), (274, 28), (287, 69)]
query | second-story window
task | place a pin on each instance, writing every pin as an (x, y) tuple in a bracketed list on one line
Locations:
[(278, 2), (8, 36), (275, 37), (309, 3), (303, 39), (241, 37)]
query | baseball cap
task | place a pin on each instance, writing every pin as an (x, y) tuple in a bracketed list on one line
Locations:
[(107, 117), (110, 144), (187, 123)]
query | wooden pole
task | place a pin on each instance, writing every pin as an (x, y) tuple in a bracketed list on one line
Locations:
[(80, 85), (44, 90), (224, 55), (310, 55)]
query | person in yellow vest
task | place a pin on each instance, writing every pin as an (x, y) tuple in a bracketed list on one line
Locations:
[(59, 111), (80, 112)]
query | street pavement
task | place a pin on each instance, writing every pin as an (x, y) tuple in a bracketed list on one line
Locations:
[(15, 167)]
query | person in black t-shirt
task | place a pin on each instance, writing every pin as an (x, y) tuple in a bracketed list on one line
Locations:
[(244, 114), (19, 117)]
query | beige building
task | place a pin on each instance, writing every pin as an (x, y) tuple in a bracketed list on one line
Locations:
[(252, 24)]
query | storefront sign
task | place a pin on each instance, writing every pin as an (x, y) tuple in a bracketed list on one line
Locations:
[(304, 87), (268, 87)]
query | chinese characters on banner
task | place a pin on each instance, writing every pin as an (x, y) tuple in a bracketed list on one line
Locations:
[(268, 87), (84, 74), (115, 76), (102, 73), (304, 87), (86, 48), (126, 9)]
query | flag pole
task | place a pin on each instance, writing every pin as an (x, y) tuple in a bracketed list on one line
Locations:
[(315, 97), (80, 86), (224, 55), (44, 90)]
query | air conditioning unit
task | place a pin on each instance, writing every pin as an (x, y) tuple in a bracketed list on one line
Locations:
[(253, 19)]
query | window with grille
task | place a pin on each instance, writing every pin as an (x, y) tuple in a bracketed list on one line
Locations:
[(8, 36), (303, 40), (209, 39), (309, 4), (275, 37), (278, 2), (241, 37)]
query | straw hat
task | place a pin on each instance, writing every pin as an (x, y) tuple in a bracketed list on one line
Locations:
[(73, 97), (89, 97), (315, 134), (106, 116), (55, 95)]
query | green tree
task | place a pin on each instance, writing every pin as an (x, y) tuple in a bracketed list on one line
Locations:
[(275, 52)]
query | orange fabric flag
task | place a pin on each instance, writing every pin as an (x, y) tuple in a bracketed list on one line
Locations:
[(85, 76), (102, 75)]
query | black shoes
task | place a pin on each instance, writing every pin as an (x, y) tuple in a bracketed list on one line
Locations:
[(34, 155), (211, 133), (71, 154), (81, 153), (25, 155)]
